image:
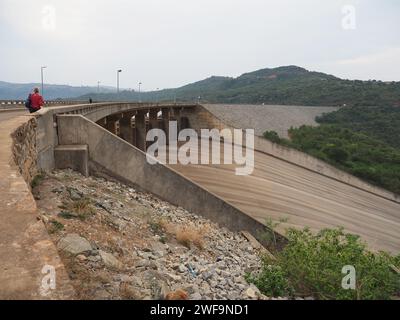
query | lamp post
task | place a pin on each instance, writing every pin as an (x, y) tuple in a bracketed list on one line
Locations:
[(157, 96), (98, 86), (41, 73), (140, 99), (118, 72)]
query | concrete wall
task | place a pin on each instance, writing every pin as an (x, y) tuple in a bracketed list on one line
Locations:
[(201, 118), (111, 155), (311, 163)]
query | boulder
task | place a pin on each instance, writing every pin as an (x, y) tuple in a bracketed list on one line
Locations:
[(74, 244), (110, 261)]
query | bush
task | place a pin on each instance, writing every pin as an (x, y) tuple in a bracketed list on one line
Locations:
[(357, 153), (272, 280), (272, 136), (312, 266)]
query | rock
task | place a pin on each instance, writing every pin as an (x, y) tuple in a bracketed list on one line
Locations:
[(81, 257), (252, 292), (177, 295), (74, 244), (142, 263), (196, 296), (208, 275), (182, 268), (191, 288), (173, 277), (110, 261), (94, 258), (129, 292), (102, 294), (75, 194)]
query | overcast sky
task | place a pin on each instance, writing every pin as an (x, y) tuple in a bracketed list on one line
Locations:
[(168, 43)]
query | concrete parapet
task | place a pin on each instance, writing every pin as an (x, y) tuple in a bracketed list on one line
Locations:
[(75, 157)]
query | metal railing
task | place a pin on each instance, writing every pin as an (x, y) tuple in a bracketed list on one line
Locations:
[(20, 104)]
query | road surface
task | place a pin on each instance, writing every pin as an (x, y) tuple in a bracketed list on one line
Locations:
[(4, 116)]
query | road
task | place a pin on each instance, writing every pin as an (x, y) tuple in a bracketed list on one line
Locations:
[(4, 116)]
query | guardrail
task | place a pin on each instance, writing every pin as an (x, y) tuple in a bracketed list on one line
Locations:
[(9, 104)]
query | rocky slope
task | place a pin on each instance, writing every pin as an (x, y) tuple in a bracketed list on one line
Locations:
[(118, 243)]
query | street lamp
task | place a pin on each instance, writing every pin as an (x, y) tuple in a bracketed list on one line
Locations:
[(140, 100), (98, 86), (41, 73), (118, 72), (157, 96)]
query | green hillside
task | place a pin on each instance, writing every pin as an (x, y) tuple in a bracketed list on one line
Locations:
[(364, 141), (289, 85)]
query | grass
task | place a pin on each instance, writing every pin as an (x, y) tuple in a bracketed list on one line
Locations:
[(55, 226), (81, 209), (188, 236), (37, 180)]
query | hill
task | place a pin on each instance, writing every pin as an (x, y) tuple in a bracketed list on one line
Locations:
[(290, 85), (17, 91)]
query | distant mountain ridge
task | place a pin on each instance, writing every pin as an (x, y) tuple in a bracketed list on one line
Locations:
[(289, 85), (10, 91)]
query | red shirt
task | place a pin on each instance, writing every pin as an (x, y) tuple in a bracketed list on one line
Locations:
[(36, 101)]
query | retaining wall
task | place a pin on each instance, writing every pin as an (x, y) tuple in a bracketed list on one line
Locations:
[(111, 155), (25, 246)]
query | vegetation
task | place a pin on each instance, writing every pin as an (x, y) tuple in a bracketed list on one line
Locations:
[(81, 209), (37, 179), (55, 226), (311, 265), (381, 123), (369, 152), (283, 85)]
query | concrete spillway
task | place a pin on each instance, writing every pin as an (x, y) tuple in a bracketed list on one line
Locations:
[(278, 189)]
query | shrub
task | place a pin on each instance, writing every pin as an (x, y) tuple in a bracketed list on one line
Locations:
[(37, 179), (272, 136), (189, 236), (271, 280), (312, 264)]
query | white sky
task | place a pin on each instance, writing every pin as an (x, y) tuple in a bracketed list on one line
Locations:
[(168, 43)]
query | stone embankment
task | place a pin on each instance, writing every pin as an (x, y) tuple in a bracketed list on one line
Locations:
[(118, 243)]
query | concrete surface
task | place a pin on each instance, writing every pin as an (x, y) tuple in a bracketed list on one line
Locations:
[(25, 247), (268, 117), (4, 116), (278, 189), (74, 157)]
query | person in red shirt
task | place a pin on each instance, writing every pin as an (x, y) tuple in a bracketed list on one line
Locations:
[(37, 101)]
